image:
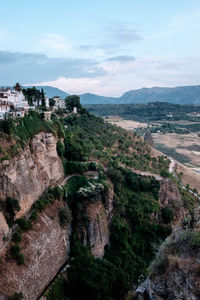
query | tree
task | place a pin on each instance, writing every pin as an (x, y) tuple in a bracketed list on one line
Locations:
[(73, 101), (43, 98), (18, 87), (51, 102), (32, 95)]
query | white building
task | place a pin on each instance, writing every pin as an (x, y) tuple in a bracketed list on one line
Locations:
[(59, 102), (12, 102)]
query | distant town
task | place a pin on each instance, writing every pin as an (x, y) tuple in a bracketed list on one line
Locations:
[(16, 102)]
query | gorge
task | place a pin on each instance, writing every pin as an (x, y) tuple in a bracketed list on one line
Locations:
[(79, 193)]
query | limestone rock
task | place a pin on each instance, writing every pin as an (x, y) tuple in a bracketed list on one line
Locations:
[(45, 248), (4, 229), (97, 228), (27, 176), (169, 196)]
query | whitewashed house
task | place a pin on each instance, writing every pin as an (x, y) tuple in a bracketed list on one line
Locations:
[(59, 102), (12, 103)]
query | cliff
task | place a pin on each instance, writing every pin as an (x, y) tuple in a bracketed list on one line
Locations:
[(169, 196), (116, 215), (45, 247), (26, 176), (174, 273)]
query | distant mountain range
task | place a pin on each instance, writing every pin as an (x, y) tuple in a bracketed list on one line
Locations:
[(52, 91), (176, 95)]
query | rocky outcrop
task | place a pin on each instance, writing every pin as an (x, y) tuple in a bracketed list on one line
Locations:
[(169, 196), (4, 229), (97, 228), (92, 226), (175, 275), (27, 176), (45, 247), (148, 138)]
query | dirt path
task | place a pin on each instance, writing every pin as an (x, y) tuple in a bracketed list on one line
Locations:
[(94, 174)]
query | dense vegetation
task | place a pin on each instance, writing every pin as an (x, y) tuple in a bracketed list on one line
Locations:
[(134, 232), (90, 138), (86, 142), (15, 134), (154, 111), (133, 236)]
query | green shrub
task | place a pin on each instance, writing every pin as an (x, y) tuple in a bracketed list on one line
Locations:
[(24, 224), (39, 205), (65, 216), (12, 205), (193, 237), (20, 259), (57, 193), (34, 215), (93, 166), (16, 296), (167, 215), (15, 252), (76, 167), (16, 237), (60, 148)]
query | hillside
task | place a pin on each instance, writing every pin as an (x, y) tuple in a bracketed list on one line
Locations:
[(52, 91), (176, 95), (102, 207), (95, 99)]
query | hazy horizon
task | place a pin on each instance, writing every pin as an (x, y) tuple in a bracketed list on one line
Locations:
[(99, 47)]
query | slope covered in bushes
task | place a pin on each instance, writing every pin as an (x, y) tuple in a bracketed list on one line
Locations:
[(134, 231), (88, 137)]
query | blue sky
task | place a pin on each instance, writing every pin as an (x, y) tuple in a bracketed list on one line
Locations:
[(104, 47)]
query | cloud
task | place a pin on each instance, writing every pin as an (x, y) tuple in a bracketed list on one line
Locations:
[(141, 72), (31, 67), (111, 76), (56, 41), (122, 58), (86, 47), (114, 38), (123, 32)]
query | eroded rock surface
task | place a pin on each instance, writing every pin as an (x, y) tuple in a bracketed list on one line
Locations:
[(27, 176), (169, 196), (97, 228), (45, 248)]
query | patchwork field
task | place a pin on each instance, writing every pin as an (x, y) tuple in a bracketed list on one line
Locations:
[(128, 124), (184, 148)]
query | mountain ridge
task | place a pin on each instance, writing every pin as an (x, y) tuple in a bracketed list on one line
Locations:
[(176, 95)]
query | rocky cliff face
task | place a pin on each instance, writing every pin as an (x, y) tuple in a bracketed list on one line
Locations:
[(4, 229), (94, 231), (46, 248), (27, 176), (174, 274), (175, 271), (169, 196), (97, 228)]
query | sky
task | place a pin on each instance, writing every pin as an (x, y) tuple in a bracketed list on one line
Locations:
[(105, 47)]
